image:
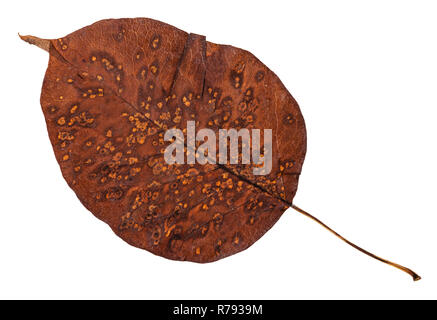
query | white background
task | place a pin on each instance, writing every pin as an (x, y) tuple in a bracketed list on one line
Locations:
[(365, 76)]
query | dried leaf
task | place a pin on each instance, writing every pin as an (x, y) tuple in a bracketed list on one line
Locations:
[(114, 88)]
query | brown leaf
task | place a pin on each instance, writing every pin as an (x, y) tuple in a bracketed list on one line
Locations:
[(112, 90)]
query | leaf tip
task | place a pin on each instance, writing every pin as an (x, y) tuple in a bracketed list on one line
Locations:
[(41, 43)]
